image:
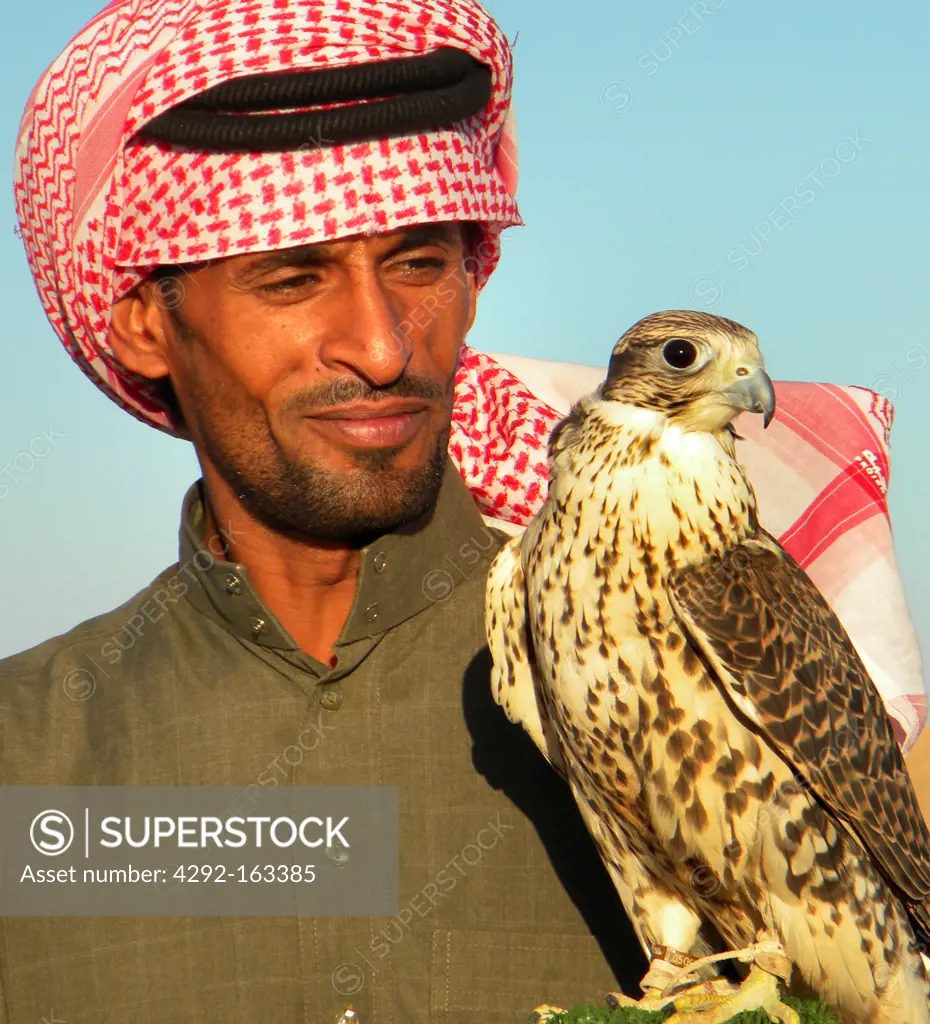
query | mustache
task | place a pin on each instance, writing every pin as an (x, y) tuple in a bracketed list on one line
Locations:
[(350, 390)]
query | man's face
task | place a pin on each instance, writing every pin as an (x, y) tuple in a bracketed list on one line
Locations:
[(316, 382)]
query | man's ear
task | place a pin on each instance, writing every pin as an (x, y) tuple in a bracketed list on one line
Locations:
[(138, 333), (477, 247), (471, 240), (472, 301)]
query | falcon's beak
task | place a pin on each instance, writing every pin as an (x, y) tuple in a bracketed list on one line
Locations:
[(752, 392)]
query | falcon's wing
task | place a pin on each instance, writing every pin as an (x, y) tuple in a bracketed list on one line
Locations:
[(788, 665), (514, 678)]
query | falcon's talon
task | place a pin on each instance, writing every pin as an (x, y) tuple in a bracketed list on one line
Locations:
[(759, 991), (717, 988)]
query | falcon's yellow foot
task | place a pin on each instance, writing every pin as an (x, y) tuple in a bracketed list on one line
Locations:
[(759, 991), (716, 1001), (654, 1001), (543, 1013)]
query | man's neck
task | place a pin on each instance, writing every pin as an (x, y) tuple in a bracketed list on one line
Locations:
[(307, 584)]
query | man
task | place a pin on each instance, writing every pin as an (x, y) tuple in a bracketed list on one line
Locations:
[(296, 309), (297, 312)]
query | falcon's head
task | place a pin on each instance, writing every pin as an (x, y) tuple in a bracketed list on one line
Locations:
[(697, 368)]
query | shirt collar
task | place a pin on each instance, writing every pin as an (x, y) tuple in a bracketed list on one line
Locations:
[(402, 573)]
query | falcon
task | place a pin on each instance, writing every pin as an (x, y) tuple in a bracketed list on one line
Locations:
[(725, 745)]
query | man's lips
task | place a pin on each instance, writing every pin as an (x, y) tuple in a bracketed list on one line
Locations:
[(373, 425)]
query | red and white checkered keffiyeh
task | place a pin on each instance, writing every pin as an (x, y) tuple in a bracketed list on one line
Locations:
[(98, 212)]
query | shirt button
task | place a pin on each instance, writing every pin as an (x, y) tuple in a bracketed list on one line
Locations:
[(233, 584), (380, 562), (331, 700), (258, 626), (337, 855), (371, 612)]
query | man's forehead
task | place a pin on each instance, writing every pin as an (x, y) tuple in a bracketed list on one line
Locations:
[(382, 243)]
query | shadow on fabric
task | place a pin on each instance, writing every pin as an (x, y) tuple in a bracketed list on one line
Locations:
[(504, 754)]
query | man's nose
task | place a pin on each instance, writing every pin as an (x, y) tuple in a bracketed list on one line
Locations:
[(368, 340)]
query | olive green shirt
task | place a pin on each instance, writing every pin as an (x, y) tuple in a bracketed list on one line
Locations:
[(193, 682)]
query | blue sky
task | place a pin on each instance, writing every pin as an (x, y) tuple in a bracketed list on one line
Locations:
[(655, 139)]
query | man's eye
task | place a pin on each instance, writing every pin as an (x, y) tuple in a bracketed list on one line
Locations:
[(288, 284), (422, 263)]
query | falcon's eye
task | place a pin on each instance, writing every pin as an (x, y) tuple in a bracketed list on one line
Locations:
[(679, 353)]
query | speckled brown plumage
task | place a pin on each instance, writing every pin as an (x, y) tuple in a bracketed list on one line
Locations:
[(723, 740), (813, 699)]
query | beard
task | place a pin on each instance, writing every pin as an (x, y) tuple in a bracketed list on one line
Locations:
[(299, 496), (370, 499)]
